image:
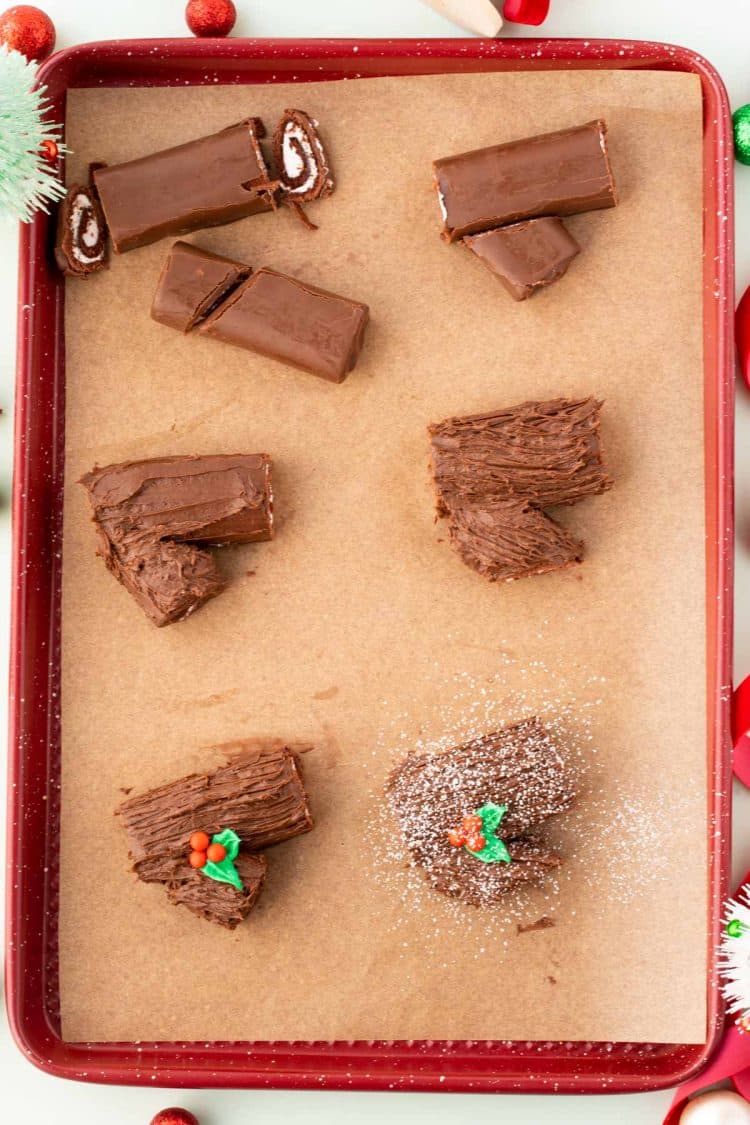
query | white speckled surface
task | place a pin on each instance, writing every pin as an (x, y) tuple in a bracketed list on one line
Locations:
[(37, 1098)]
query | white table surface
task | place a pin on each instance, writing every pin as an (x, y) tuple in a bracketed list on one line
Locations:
[(721, 31)]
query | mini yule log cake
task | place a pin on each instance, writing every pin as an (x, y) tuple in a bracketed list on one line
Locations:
[(202, 836), (473, 817), (150, 515), (495, 473), (505, 201)]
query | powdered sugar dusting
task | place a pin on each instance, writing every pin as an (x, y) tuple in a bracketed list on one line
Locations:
[(615, 836)]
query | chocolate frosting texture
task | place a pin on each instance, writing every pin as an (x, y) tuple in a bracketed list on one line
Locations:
[(518, 766), (545, 452), (149, 513), (509, 539)]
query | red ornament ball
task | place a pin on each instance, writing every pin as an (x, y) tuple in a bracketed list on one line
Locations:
[(210, 17), (174, 1116), (28, 30)]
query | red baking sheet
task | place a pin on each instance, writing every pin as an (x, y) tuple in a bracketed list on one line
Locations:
[(34, 747)]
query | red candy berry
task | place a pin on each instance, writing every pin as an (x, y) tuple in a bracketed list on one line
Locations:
[(197, 859), (472, 825), (526, 11), (175, 1116), (210, 17), (28, 30), (216, 852), (50, 150), (476, 843), (456, 837), (199, 841)]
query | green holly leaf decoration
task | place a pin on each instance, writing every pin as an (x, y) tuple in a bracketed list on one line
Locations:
[(225, 871), (494, 850)]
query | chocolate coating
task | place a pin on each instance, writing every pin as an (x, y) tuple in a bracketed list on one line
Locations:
[(192, 283), (558, 173), (518, 766), (298, 324), (149, 514), (525, 256), (203, 183)]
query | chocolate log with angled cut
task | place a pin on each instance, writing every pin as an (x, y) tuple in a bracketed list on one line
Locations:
[(287, 320), (559, 173), (259, 794), (494, 473), (525, 256), (192, 283), (510, 539), (547, 453), (519, 767), (204, 183), (81, 244), (149, 514)]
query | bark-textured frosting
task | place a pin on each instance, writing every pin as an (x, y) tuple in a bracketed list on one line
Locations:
[(495, 473), (510, 539), (259, 795)]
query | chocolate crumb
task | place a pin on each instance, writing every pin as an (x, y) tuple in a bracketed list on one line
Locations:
[(543, 923)]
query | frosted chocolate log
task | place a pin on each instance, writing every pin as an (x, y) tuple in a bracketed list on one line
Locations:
[(298, 324), (509, 539), (192, 283), (546, 453), (559, 173), (519, 767), (259, 795), (300, 158), (203, 183), (525, 256), (81, 245), (149, 515)]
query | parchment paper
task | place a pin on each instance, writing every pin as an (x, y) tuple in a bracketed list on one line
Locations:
[(359, 630)]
